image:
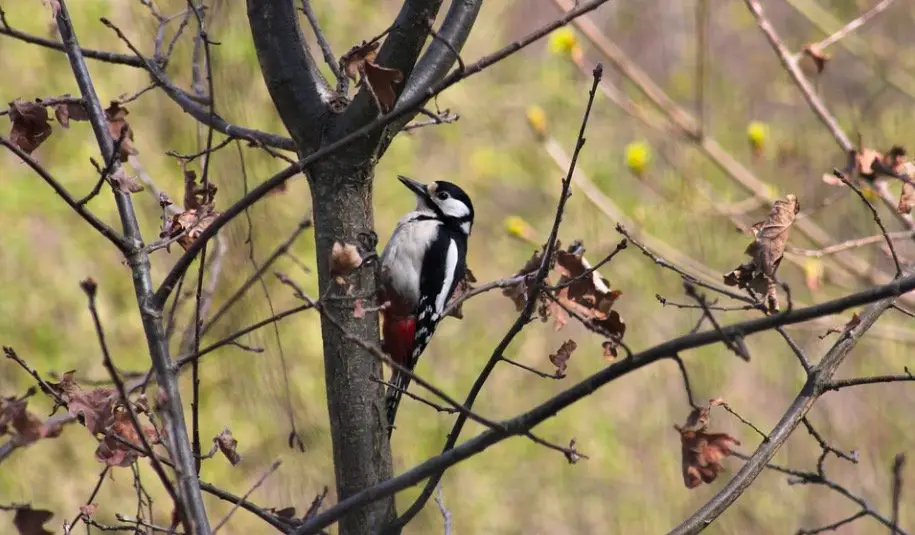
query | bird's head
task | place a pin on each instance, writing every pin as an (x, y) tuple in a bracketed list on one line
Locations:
[(444, 200)]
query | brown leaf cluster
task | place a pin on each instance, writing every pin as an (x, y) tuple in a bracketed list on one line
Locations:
[(703, 451), (590, 296), (101, 411), (766, 252), (22, 425), (562, 355), (30, 125), (870, 164), (30, 521), (199, 212), (580, 292), (379, 81)]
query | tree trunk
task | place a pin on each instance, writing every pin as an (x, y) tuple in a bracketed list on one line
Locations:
[(342, 193)]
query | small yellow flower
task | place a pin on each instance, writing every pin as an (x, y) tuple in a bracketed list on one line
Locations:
[(518, 228), (869, 193), (563, 42), (536, 118), (756, 134), (638, 156)]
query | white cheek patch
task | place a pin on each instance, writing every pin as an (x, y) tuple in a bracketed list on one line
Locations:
[(454, 208)]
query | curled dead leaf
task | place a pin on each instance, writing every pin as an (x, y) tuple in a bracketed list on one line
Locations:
[(228, 446), (766, 252), (562, 356), (588, 294), (124, 182), (344, 258), (30, 125), (378, 80), (66, 111), (702, 452), (118, 126), (30, 521), (817, 55)]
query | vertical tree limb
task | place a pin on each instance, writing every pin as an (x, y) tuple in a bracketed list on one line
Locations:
[(138, 259)]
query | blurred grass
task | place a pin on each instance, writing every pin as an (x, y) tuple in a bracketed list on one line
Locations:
[(632, 482)]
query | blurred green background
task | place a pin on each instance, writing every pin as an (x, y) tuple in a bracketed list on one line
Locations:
[(632, 482)]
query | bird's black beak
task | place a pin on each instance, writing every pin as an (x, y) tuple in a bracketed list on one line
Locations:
[(418, 188)]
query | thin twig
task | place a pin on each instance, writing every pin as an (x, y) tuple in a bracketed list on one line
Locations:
[(411, 395), (276, 464), (898, 464), (326, 51)]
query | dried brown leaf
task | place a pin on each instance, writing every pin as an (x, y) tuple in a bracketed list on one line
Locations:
[(196, 196), (766, 250), (702, 452), (70, 110), (344, 258), (562, 356), (816, 54), (118, 125), (379, 80), (588, 295), (30, 521), (520, 292), (124, 182), (30, 125), (227, 445)]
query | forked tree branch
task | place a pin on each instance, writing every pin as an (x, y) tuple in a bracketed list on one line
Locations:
[(408, 106), (438, 58), (818, 381), (299, 90)]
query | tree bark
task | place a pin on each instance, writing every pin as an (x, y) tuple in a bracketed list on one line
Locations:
[(342, 191)]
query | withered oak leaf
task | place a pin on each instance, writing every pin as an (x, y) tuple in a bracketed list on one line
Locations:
[(24, 426), (562, 356), (702, 451), (30, 125), (124, 182), (30, 521), (766, 252)]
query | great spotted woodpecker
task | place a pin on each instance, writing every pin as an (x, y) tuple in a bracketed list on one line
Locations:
[(421, 265)]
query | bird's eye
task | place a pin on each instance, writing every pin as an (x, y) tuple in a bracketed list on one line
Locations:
[(442, 195)]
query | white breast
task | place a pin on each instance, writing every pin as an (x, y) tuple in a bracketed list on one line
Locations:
[(402, 258)]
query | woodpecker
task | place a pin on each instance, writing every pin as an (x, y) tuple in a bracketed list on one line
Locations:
[(421, 265)]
